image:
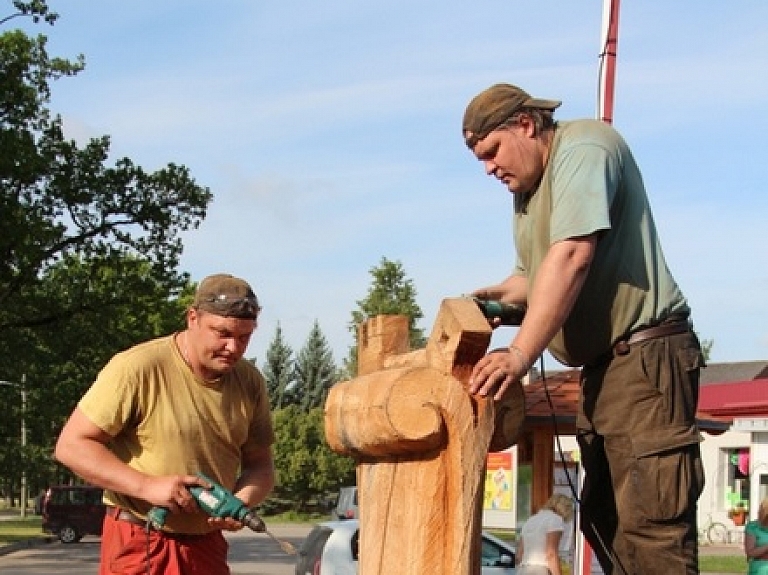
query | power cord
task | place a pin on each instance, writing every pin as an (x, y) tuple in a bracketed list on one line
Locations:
[(147, 530), (608, 550)]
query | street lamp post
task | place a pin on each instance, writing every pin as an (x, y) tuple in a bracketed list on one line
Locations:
[(23, 391)]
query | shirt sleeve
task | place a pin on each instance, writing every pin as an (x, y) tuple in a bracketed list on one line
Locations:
[(260, 430), (110, 402), (555, 523), (585, 182)]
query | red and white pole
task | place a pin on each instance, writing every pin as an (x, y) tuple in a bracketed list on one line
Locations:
[(609, 41)]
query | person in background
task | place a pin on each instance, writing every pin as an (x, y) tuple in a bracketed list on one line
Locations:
[(599, 295), (539, 543), (756, 541), (163, 411)]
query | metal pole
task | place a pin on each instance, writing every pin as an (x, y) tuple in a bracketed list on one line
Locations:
[(608, 48), (24, 494), (23, 391)]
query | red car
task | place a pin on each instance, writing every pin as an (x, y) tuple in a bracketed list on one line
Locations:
[(73, 511)]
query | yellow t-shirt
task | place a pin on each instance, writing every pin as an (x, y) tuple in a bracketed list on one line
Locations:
[(164, 420)]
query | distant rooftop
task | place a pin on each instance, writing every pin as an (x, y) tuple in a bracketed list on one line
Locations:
[(734, 371)]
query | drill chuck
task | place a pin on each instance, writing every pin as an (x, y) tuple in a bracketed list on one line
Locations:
[(254, 522)]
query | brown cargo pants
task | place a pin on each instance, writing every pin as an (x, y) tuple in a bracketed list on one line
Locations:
[(639, 444)]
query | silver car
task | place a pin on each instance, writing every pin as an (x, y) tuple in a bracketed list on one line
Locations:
[(331, 548)]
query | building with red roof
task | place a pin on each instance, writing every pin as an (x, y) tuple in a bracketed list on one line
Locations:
[(732, 415)]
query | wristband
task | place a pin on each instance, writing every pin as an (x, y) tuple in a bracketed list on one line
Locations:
[(521, 357)]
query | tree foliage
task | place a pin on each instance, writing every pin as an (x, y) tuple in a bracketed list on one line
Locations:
[(306, 468), (315, 370), (391, 293), (60, 200), (90, 248), (279, 372)]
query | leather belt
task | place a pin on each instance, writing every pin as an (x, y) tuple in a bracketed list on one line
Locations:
[(122, 515), (673, 327)]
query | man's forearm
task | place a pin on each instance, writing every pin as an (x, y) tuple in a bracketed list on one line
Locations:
[(94, 462), (255, 484), (558, 284)]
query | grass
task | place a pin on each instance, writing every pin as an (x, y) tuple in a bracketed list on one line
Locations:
[(296, 517), (722, 564), (17, 529), (13, 530)]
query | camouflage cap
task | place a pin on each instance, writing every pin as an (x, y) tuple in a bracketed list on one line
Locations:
[(494, 106), (228, 296)]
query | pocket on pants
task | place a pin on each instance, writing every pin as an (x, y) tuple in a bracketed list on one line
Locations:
[(667, 484), (130, 557)]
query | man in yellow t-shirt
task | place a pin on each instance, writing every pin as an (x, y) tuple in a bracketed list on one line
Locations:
[(164, 410)]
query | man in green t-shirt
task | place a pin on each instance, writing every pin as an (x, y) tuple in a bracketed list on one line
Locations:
[(591, 273), (164, 410)]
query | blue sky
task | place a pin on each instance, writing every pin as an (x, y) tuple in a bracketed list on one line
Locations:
[(329, 133)]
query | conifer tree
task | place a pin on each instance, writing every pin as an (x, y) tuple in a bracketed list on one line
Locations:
[(315, 370), (391, 293), (279, 372)]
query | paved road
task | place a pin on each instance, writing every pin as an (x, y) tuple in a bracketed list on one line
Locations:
[(250, 554)]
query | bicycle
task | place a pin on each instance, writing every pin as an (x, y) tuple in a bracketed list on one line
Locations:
[(713, 532)]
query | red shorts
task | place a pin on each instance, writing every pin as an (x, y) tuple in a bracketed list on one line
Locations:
[(127, 549)]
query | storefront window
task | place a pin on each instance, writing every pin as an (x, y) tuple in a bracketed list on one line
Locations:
[(737, 476)]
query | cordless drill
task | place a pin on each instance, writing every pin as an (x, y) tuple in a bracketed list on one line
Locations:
[(216, 502)]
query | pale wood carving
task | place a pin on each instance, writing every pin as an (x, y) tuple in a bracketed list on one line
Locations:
[(420, 442)]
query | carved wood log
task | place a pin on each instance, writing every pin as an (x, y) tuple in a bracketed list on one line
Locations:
[(420, 441)]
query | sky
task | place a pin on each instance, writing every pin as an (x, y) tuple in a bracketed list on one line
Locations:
[(330, 136)]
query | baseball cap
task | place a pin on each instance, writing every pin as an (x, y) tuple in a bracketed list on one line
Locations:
[(228, 296), (494, 106)]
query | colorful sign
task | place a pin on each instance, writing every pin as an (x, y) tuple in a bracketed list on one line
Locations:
[(498, 482)]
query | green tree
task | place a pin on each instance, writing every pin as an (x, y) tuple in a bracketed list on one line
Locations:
[(391, 293), (59, 200), (315, 370), (306, 469), (89, 252), (59, 365), (279, 372), (36, 9)]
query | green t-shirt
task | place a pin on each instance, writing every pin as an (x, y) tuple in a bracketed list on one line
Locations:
[(591, 184), (760, 533), (164, 420)]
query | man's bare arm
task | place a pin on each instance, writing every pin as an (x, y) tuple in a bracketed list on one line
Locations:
[(558, 284), (82, 447)]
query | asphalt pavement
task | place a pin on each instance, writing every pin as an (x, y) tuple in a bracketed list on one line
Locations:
[(297, 532)]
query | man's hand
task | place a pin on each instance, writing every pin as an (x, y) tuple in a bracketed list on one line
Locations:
[(170, 491), (494, 373), (225, 523)]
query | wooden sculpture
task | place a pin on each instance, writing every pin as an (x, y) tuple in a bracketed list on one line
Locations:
[(420, 442)]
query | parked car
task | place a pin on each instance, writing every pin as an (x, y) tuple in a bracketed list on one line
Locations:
[(346, 504), (73, 511), (331, 548)]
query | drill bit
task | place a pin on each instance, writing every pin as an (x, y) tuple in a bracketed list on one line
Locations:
[(257, 524), (284, 545)]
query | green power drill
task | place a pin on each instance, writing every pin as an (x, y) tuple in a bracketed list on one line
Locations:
[(219, 502), (508, 314)]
